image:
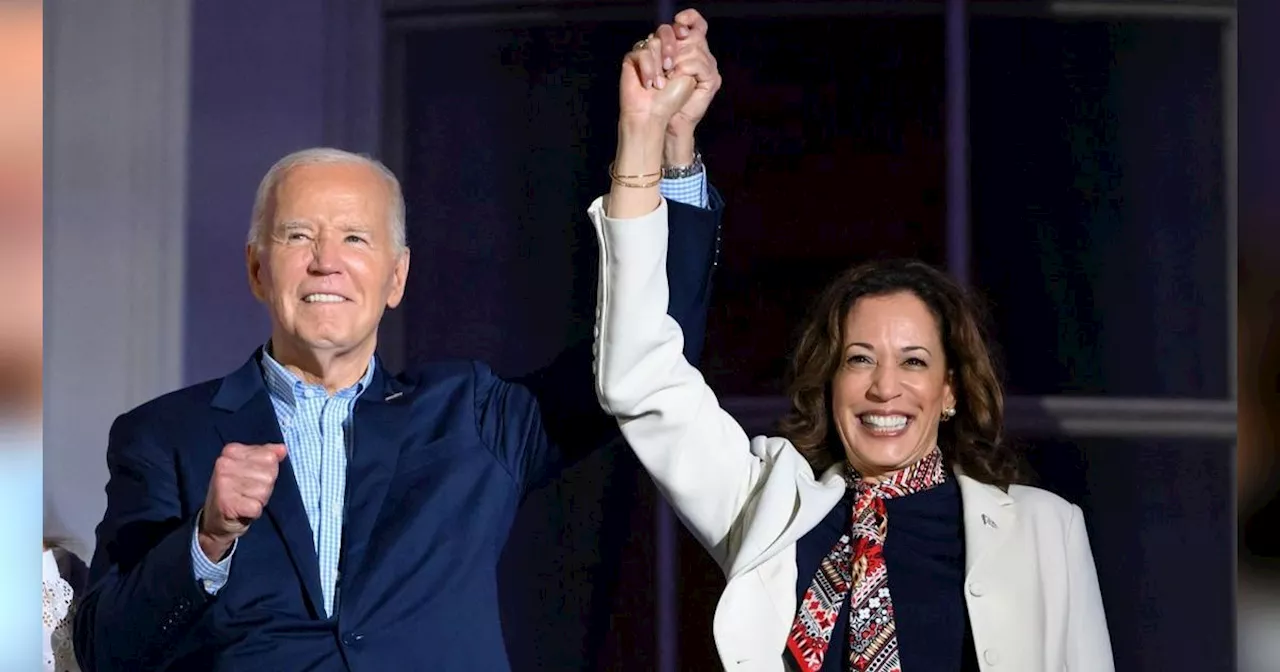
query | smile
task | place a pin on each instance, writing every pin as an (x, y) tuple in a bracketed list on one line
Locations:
[(323, 298), (882, 424)]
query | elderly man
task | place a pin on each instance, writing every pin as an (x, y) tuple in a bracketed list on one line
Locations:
[(387, 499)]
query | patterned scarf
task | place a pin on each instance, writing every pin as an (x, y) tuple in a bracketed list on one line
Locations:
[(856, 566)]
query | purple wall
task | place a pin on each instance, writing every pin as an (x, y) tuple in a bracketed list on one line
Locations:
[(266, 79)]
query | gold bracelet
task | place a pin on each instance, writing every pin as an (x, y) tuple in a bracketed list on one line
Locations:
[(634, 185), (621, 180)]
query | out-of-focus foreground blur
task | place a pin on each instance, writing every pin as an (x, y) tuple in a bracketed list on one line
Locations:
[(1259, 337), (21, 212)]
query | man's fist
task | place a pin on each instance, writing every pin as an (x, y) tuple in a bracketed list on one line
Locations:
[(243, 478), (693, 58)]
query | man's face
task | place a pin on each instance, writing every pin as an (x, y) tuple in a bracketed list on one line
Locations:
[(328, 266)]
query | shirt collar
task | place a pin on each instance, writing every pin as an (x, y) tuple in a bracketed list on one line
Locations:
[(286, 386)]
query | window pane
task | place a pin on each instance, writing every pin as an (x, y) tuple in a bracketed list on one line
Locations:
[(1160, 521), (508, 133), (1098, 204), (826, 157)]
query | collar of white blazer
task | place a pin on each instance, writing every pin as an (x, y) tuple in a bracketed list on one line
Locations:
[(788, 508)]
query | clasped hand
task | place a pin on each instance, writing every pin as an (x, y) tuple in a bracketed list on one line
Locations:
[(669, 78)]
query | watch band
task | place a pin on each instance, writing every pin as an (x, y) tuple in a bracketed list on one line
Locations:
[(681, 172)]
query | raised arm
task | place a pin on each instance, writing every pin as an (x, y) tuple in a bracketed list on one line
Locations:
[(542, 422), (698, 455)]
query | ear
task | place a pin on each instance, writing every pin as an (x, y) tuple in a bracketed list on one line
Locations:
[(253, 263), (399, 276)]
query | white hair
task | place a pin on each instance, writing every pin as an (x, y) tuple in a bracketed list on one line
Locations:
[(262, 205)]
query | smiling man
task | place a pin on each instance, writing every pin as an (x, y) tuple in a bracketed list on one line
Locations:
[(313, 511)]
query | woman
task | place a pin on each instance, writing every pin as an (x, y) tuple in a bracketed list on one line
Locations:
[(884, 530)]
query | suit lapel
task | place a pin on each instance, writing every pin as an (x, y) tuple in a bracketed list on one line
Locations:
[(250, 419), (989, 517), (377, 422)]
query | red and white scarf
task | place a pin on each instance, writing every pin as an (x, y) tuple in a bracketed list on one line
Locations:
[(856, 566)]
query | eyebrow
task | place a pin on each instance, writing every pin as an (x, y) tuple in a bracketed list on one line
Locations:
[(909, 348), (296, 224)]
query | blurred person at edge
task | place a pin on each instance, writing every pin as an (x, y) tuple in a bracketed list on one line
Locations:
[(21, 349), (1258, 340), (1258, 592)]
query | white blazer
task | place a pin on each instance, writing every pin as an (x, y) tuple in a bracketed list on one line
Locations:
[(1030, 583)]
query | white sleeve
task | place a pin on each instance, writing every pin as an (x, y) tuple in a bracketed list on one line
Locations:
[(698, 455)]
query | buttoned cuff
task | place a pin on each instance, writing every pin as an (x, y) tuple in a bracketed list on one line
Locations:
[(212, 576), (690, 190)]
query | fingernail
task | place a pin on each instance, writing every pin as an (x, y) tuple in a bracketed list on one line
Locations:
[(649, 84), (662, 82), (682, 31), (666, 65)]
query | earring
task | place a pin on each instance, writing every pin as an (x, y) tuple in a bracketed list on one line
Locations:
[(948, 413)]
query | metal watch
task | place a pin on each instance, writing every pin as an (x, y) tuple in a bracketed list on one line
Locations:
[(681, 172)]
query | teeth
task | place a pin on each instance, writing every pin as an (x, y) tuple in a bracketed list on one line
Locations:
[(323, 298), (885, 421)]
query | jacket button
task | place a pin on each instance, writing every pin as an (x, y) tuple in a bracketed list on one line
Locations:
[(975, 589), (991, 656), (352, 638)]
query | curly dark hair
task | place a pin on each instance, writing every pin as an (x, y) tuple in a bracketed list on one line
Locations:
[(972, 439)]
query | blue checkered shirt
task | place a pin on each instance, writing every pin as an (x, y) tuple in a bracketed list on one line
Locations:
[(316, 427), (690, 190)]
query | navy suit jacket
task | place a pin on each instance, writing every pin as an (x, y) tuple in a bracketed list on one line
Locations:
[(441, 458)]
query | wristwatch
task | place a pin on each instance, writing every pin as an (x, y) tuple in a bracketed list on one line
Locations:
[(681, 172)]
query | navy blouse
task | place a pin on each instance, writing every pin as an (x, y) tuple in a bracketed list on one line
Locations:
[(924, 554)]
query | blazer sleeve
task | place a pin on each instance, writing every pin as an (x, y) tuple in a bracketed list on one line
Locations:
[(143, 597), (540, 423), (1088, 642), (698, 455)]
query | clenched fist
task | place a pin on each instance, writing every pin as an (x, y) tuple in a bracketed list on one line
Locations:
[(243, 478)]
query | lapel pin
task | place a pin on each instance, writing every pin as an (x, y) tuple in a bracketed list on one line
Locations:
[(986, 520), (394, 395)]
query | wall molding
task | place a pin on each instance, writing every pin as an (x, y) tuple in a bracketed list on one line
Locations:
[(439, 14), (1231, 152)]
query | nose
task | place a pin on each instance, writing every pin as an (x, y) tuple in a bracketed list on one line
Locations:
[(325, 256), (884, 384)]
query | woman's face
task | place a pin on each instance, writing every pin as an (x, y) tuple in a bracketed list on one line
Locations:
[(888, 395)]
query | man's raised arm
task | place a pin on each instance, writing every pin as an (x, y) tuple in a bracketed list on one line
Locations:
[(550, 418)]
